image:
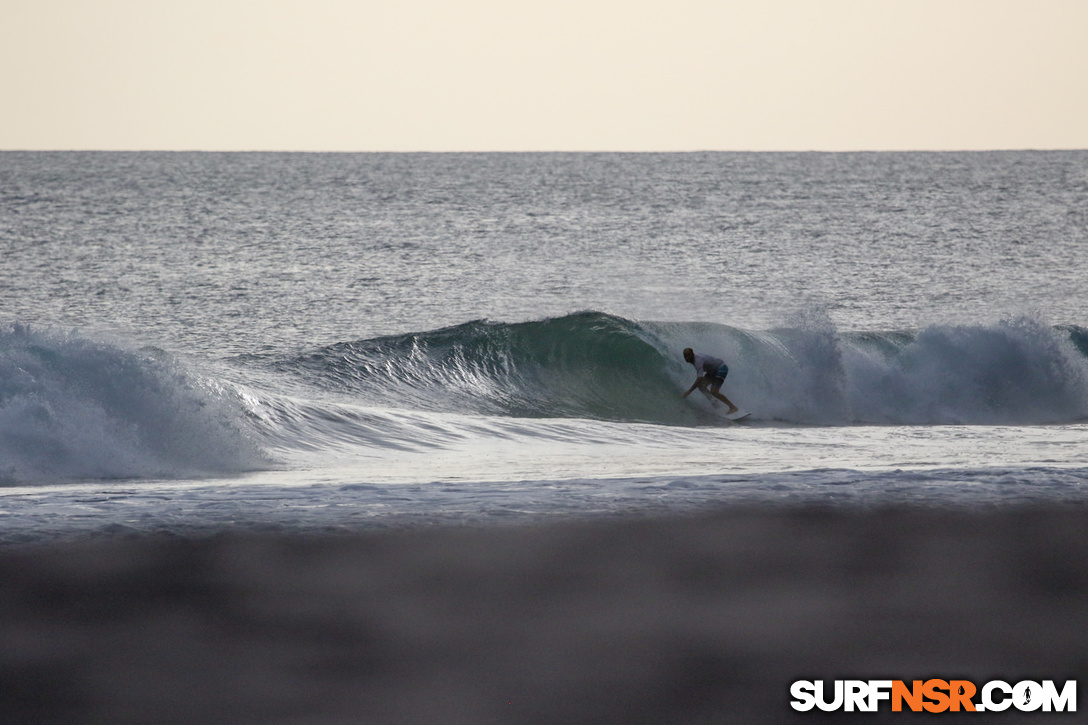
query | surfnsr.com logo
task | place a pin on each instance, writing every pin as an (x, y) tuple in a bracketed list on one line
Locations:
[(934, 696)]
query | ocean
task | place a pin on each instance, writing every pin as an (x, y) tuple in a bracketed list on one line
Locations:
[(390, 438), (330, 341)]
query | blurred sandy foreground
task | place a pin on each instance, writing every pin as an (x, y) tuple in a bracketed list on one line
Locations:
[(682, 619)]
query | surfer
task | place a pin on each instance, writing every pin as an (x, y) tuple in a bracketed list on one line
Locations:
[(711, 373)]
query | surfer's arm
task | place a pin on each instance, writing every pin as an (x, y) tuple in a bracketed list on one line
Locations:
[(696, 384)]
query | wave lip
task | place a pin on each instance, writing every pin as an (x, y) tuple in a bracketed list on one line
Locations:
[(76, 408)]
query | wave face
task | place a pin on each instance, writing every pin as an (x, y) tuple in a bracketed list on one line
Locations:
[(594, 365), (73, 407), (585, 365)]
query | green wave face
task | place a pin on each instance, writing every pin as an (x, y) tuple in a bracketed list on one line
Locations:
[(584, 365)]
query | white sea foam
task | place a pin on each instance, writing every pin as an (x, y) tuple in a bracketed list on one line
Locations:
[(345, 499)]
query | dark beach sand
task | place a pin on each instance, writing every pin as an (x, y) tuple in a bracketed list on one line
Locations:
[(680, 619)]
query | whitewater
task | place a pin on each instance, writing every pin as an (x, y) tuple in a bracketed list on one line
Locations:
[(195, 343)]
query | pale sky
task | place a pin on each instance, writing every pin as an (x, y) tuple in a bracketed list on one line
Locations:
[(543, 75)]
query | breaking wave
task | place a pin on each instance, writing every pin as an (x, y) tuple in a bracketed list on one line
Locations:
[(74, 407), (599, 366)]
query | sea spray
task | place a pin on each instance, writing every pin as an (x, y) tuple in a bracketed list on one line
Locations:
[(1017, 371), (818, 388)]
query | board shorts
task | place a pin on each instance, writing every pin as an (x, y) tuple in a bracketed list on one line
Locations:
[(718, 377)]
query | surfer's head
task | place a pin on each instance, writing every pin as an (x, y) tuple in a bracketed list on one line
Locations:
[(689, 354)]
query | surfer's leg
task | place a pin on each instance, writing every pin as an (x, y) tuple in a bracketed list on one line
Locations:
[(704, 388), (715, 390)]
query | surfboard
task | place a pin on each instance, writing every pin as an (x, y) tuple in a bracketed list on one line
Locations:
[(737, 416)]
